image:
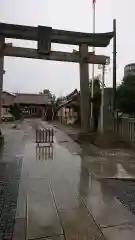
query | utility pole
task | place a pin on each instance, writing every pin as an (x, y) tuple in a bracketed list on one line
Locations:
[(114, 67), (2, 42)]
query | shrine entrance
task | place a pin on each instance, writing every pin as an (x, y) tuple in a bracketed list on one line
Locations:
[(44, 36)]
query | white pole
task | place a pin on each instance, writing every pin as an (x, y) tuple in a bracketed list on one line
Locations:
[(94, 27), (2, 40), (102, 101)]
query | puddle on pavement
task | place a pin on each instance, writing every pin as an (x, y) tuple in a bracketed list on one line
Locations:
[(45, 152), (116, 153), (116, 171), (50, 160), (64, 141), (103, 167), (122, 173), (100, 167), (76, 153)]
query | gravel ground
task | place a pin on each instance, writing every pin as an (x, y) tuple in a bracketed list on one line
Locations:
[(124, 190), (9, 183)]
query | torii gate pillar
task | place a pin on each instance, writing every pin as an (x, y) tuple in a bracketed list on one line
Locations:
[(84, 89)]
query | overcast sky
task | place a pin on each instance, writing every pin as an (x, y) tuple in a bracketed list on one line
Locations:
[(27, 75)]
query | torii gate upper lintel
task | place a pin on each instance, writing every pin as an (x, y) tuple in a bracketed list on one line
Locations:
[(56, 36), (44, 37)]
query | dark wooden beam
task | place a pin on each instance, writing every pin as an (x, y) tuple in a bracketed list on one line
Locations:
[(54, 55), (58, 36), (84, 91)]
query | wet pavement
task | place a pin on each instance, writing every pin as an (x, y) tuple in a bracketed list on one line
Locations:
[(11, 162), (67, 197), (67, 194), (124, 190)]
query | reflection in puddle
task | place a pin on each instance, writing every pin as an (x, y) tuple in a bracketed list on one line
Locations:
[(122, 173), (44, 152)]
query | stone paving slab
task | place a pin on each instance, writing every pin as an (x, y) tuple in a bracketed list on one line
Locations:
[(105, 208), (61, 237), (122, 232), (20, 229), (65, 195), (42, 215), (22, 195), (13, 144), (79, 224)]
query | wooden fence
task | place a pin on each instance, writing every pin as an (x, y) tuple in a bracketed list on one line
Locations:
[(125, 128), (45, 135)]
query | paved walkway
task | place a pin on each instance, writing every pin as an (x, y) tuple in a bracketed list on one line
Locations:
[(11, 158), (65, 193), (68, 197), (11, 170)]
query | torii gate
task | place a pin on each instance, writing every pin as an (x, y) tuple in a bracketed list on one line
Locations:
[(44, 37)]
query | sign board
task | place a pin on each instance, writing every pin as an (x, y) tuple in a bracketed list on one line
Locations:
[(107, 63), (107, 60), (44, 40)]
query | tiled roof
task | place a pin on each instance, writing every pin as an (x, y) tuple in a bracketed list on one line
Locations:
[(32, 98), (25, 98), (10, 94), (72, 97)]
